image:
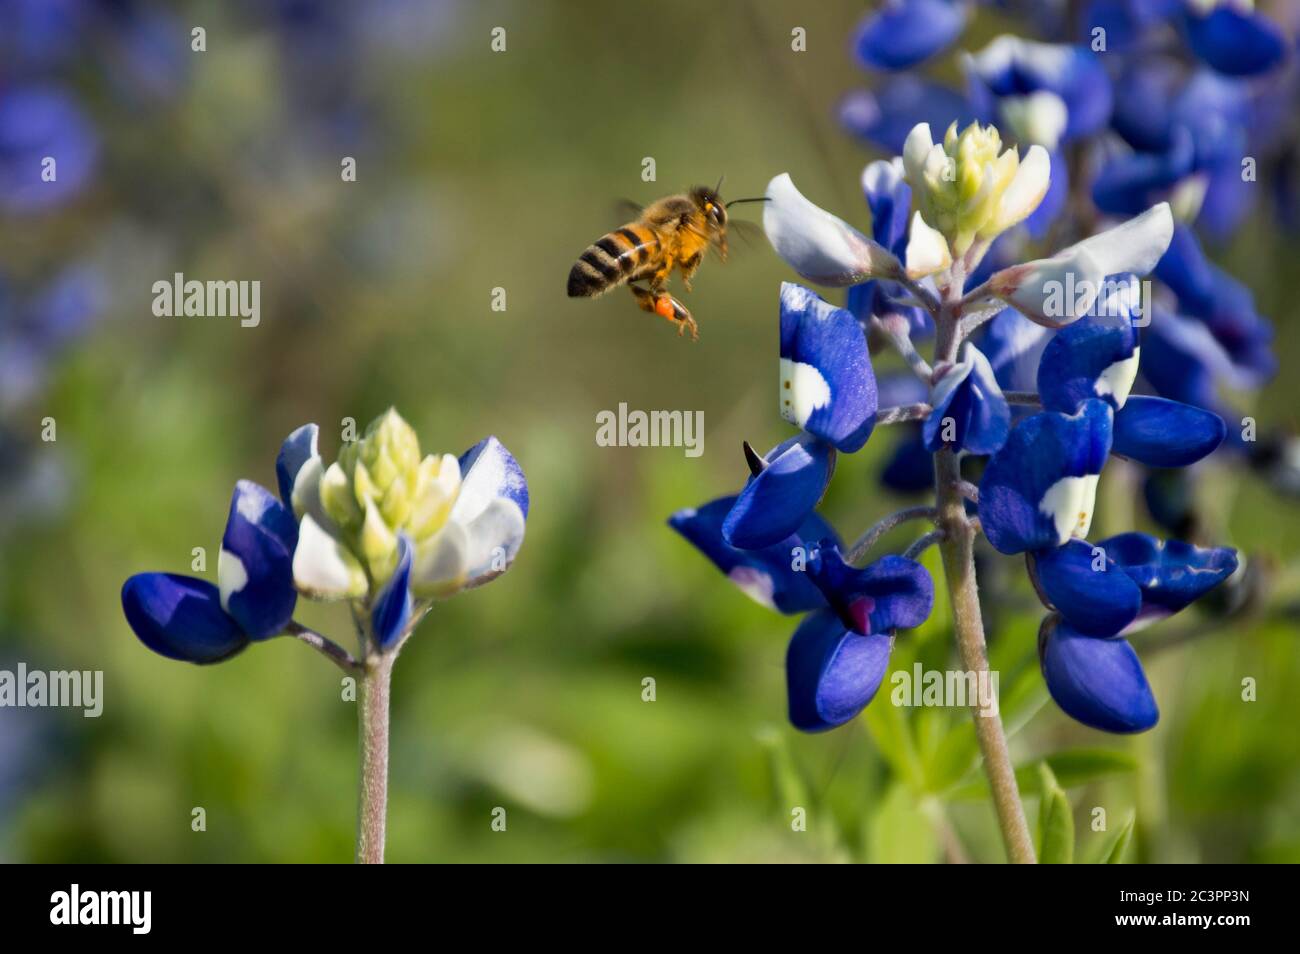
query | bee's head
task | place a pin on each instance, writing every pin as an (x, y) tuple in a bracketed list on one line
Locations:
[(710, 204)]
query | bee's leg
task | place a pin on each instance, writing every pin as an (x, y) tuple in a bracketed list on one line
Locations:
[(689, 267), (659, 302)]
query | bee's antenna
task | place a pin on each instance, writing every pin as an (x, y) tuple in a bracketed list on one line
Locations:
[(761, 198), (717, 189)]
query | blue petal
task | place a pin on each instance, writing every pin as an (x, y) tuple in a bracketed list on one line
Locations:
[(180, 617), (393, 605), (910, 468), (1011, 66), (1228, 202), (1125, 21), (1129, 185), (1015, 508), (256, 562), (831, 673), (881, 298), (890, 199), (1163, 433), (776, 502), (969, 396), (906, 32), (1171, 574), (827, 385), (1095, 601), (1014, 346), (1141, 115), (1237, 43), (891, 593), (1084, 360), (767, 576), (1053, 204), (884, 116), (1098, 682), (298, 448)]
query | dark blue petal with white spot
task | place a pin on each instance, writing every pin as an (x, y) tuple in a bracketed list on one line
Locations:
[(180, 617), (892, 593), (255, 568), (777, 500), (1038, 490), (827, 385), (1163, 433), (1098, 682), (1086, 587), (1170, 573), (1093, 358), (767, 576), (831, 672)]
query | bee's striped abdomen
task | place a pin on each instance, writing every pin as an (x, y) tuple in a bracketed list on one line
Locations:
[(611, 260)]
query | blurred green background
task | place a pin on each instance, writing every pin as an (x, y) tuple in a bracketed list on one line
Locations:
[(476, 170)]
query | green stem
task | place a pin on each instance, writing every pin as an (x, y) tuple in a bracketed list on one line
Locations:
[(372, 709), (957, 549)]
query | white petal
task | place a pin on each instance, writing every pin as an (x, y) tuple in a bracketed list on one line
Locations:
[(1057, 290), (494, 538), (916, 148), (440, 562), (927, 250), (1133, 246), (820, 247), (1026, 189), (1039, 118), (306, 489), (882, 176), (323, 567)]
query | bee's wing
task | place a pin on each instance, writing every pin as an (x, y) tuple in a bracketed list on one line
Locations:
[(625, 210), (749, 233)]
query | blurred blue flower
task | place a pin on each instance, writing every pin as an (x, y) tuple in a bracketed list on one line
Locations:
[(39, 123)]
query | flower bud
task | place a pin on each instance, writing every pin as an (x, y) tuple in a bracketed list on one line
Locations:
[(968, 187)]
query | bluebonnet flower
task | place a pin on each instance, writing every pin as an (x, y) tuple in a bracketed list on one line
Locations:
[(1037, 497), (1038, 489), (383, 527), (1180, 132), (839, 653)]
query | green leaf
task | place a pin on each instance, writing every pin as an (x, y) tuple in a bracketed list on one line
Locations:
[(1055, 821), (900, 830), (1113, 854), (892, 733)]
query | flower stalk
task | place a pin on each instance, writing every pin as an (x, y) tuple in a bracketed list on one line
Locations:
[(957, 552), (373, 693)]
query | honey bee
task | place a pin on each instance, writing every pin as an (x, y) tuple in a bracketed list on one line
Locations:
[(673, 232)]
